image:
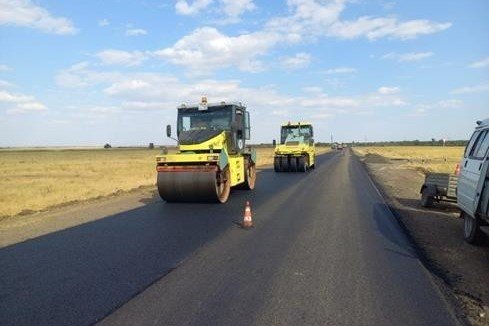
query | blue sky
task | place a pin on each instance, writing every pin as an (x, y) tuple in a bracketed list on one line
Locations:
[(91, 72)]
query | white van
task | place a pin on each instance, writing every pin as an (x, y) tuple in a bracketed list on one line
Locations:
[(473, 184)]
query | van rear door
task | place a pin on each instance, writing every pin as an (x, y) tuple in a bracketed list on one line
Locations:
[(467, 188)]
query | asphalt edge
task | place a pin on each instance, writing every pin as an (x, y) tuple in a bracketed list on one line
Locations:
[(434, 273)]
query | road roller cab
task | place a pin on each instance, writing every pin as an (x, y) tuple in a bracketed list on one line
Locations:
[(212, 155), (296, 151)]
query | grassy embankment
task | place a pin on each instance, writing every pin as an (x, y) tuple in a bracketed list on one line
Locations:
[(422, 158), (34, 180)]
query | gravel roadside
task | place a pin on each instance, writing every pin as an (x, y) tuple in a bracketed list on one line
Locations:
[(437, 232)]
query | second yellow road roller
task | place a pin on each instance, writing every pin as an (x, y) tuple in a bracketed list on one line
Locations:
[(296, 151), (212, 154)]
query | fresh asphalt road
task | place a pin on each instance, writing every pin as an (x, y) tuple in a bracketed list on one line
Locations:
[(325, 249)]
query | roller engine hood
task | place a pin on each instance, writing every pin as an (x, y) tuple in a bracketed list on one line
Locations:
[(192, 137)]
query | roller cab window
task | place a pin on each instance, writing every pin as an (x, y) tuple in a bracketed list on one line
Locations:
[(212, 119), (296, 134)]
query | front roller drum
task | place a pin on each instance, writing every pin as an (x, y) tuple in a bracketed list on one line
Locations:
[(284, 164), (276, 164), (302, 164), (194, 184), (294, 164)]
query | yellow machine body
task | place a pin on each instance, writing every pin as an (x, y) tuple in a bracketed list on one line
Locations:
[(209, 160), (296, 151)]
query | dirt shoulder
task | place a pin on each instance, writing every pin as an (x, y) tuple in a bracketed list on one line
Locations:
[(437, 232), (18, 228)]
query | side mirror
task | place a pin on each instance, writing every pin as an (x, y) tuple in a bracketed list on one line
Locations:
[(274, 142), (312, 140), (168, 131)]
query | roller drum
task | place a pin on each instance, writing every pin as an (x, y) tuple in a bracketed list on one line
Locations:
[(191, 186), (284, 164), (293, 167)]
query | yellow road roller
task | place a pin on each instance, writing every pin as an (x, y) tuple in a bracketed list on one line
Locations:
[(212, 154), (296, 151)]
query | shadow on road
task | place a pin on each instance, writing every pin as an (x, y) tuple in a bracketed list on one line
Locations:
[(79, 275)]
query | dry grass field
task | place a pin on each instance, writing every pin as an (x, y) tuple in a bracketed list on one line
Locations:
[(34, 180), (421, 158)]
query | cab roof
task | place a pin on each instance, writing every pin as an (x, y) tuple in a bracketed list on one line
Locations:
[(302, 123), (209, 105)]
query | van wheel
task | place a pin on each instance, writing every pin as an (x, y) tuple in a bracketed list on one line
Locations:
[(472, 231), (426, 200)]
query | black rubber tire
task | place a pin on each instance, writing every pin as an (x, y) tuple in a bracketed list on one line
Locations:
[(250, 177), (427, 200), (293, 164), (302, 164), (276, 164), (223, 188), (284, 164), (472, 231)]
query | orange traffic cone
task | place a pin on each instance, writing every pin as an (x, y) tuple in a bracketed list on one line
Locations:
[(457, 169), (247, 220)]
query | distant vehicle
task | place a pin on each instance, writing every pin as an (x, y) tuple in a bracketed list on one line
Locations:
[(339, 146), (334, 146), (296, 151), (473, 184)]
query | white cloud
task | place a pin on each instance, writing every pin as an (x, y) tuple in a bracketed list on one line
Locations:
[(450, 103), (206, 49), (319, 18), (17, 103), (299, 60), (136, 91), (471, 89), (480, 64), (81, 75), (340, 70), (123, 58), (136, 32), (184, 7), (375, 28), (5, 84), (103, 109), (104, 22), (388, 90), (4, 68), (32, 106), (235, 8), (312, 89), (407, 57), (27, 14), (8, 97)]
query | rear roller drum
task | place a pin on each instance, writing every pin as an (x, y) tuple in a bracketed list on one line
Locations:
[(250, 177), (223, 185)]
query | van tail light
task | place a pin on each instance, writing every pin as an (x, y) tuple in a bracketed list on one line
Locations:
[(457, 169)]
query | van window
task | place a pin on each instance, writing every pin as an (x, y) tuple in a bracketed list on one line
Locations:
[(482, 147), (471, 143), (477, 145)]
